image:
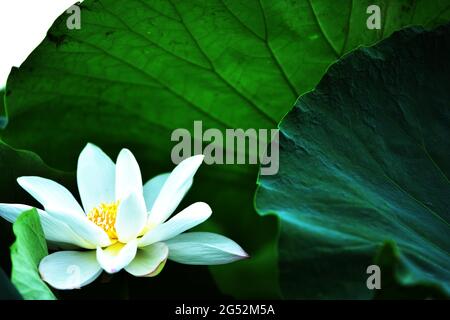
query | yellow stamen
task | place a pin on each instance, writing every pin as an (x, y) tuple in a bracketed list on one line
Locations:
[(105, 217)]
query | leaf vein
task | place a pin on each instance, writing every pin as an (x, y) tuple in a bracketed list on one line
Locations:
[(224, 80), (180, 96), (316, 18)]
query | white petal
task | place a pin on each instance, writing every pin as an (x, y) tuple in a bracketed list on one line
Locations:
[(128, 175), (174, 189), (131, 217), (149, 261), (54, 230), (152, 189), (185, 220), (96, 177), (59, 203), (11, 212), (70, 269), (85, 228), (51, 195), (62, 235), (117, 256), (204, 248)]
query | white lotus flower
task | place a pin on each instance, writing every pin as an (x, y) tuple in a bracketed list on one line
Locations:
[(123, 224)]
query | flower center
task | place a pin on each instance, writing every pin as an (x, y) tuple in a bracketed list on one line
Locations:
[(105, 217)]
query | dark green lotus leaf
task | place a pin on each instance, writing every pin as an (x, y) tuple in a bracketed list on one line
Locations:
[(3, 116), (364, 159), (138, 69), (29, 246), (15, 163), (7, 289), (397, 275)]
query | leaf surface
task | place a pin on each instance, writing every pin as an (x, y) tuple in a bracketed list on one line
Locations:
[(26, 253), (365, 159)]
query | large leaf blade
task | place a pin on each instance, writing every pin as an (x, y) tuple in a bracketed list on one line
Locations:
[(364, 159)]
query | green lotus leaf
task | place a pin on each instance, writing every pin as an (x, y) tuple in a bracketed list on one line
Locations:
[(26, 253), (364, 159)]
